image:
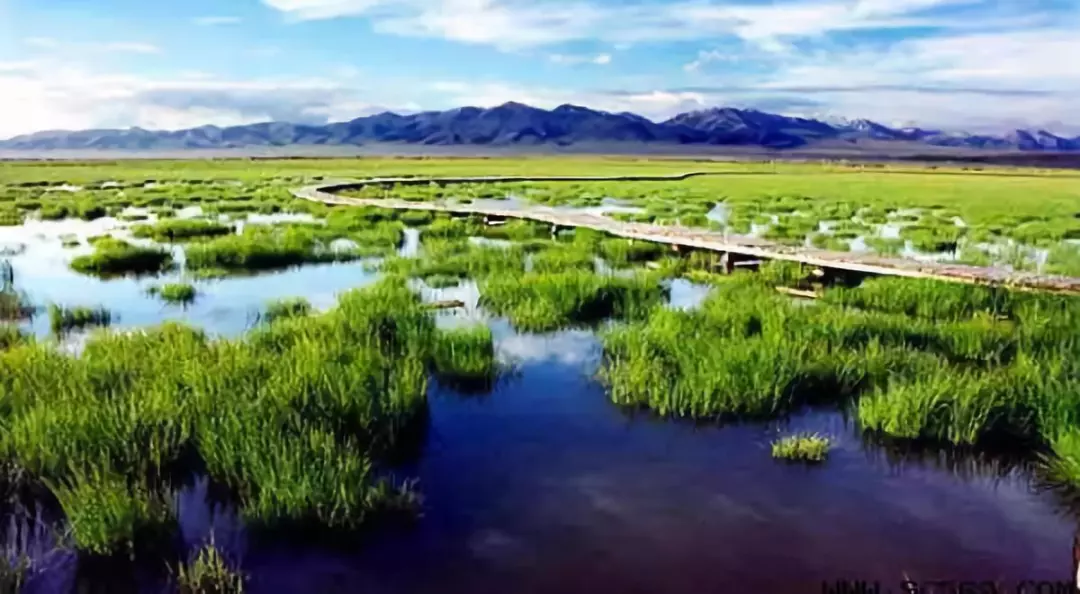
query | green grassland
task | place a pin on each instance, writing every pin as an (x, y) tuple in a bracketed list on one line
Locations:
[(306, 402), (1009, 216)]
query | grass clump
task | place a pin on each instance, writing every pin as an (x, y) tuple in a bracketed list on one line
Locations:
[(282, 309), (542, 302), (178, 230), (209, 573), (11, 217), (924, 298), (11, 335), (175, 293), (886, 246), (560, 258), (265, 249), (459, 259), (624, 252), (14, 304), (114, 257), (464, 358), (64, 319), (292, 419), (107, 515), (804, 447), (1064, 259), (826, 241), (442, 281)]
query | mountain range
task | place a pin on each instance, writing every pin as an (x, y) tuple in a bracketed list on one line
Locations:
[(515, 124)]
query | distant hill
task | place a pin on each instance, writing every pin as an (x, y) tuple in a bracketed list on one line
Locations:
[(514, 124)]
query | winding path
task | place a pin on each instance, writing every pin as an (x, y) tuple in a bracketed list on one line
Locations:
[(733, 247)]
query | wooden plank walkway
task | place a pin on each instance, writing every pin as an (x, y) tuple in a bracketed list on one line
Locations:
[(684, 237)]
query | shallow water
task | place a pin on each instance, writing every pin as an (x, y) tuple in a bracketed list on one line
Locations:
[(545, 486)]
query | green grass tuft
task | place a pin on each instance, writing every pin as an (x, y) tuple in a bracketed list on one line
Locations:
[(63, 319), (804, 447), (175, 293), (282, 309), (176, 230), (114, 257), (209, 573), (542, 302)]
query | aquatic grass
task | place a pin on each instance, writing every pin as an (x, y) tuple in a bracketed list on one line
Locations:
[(516, 230), (54, 212), (1064, 259), (933, 238), (781, 273), (542, 302), (417, 218), (829, 242), (207, 572), (442, 281), (89, 211), (623, 252), (886, 246), (175, 293), (65, 319), (11, 335), (451, 228), (178, 230), (284, 417), (11, 217), (560, 258), (107, 515), (14, 305), (282, 309), (459, 259), (114, 257), (264, 248), (464, 358), (924, 298), (803, 447), (959, 373)]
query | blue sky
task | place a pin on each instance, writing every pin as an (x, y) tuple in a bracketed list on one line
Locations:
[(962, 64)]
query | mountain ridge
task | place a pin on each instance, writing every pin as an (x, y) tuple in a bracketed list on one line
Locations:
[(517, 124)]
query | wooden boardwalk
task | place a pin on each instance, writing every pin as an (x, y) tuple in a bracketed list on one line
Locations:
[(730, 246)]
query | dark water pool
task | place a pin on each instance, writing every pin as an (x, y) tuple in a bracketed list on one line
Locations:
[(545, 486)]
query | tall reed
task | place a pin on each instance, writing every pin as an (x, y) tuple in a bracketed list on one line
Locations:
[(542, 302)]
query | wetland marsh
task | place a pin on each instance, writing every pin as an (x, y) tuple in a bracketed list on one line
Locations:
[(208, 385)]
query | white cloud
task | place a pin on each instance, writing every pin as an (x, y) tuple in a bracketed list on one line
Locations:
[(707, 57), (215, 21), (571, 59), (513, 24), (47, 95)]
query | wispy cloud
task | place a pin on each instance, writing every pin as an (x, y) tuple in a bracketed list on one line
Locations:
[(518, 23), (707, 57), (215, 21), (50, 94), (570, 59)]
